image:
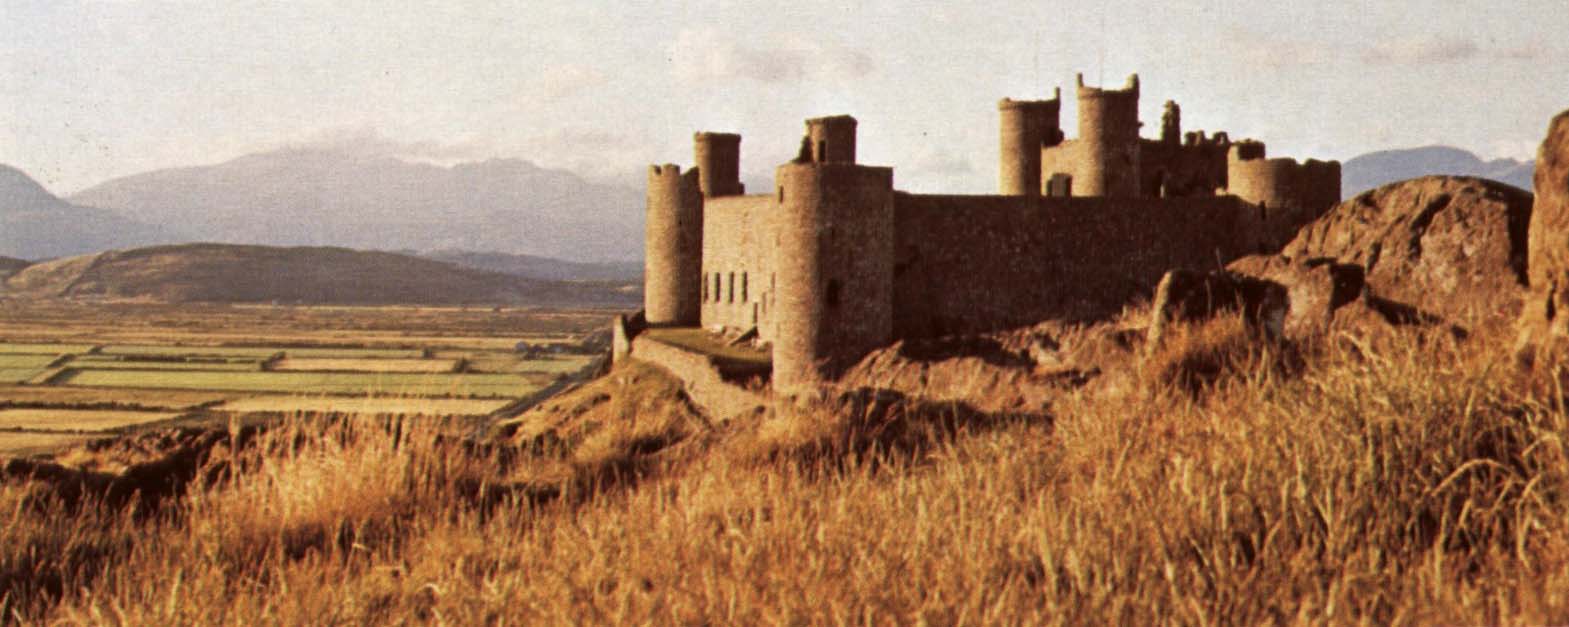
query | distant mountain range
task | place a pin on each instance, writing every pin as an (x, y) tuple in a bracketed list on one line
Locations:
[(35, 224), (307, 275), (322, 196), (1377, 169)]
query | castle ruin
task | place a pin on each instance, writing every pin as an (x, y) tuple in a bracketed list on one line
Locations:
[(834, 261)]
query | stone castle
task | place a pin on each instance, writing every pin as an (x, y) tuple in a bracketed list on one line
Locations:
[(834, 261)]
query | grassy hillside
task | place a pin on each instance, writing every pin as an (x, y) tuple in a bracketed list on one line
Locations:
[(233, 273), (1397, 477), (11, 265)]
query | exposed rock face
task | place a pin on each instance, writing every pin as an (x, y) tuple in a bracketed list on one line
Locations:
[(1189, 295), (1453, 246), (1543, 322), (1314, 289), (1281, 297)]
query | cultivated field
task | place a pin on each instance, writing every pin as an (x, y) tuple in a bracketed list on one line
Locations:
[(80, 370)]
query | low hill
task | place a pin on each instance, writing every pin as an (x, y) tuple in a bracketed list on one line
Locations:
[(545, 268), (35, 224), (11, 265), (236, 273), (338, 196), (1376, 169)]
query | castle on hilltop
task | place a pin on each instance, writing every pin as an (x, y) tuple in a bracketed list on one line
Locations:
[(834, 261)]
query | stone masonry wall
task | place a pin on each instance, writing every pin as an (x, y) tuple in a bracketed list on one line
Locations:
[(700, 378), (977, 263), (737, 269)]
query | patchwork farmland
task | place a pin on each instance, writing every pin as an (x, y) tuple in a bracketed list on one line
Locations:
[(102, 370)]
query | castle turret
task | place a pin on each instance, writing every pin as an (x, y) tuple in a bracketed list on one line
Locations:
[(718, 158), (1171, 124), (832, 139), (834, 299), (1289, 194), (673, 244), (1026, 127), (1109, 133)]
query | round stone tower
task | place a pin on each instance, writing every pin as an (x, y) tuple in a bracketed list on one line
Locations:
[(718, 158), (1171, 124), (1109, 133), (832, 139), (1289, 194), (835, 230), (1026, 127), (673, 244)]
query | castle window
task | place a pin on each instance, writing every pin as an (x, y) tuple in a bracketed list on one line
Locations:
[(705, 287), (833, 293), (781, 193), (822, 150), (732, 288), (718, 294), (743, 287)]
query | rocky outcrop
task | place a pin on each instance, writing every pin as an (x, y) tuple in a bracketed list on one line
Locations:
[(1280, 297), (1543, 322), (1315, 289), (1189, 295), (1453, 246)]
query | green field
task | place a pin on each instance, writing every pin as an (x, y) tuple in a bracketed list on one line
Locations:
[(98, 362), (67, 370), (191, 351), (511, 362), (354, 353), (17, 361), (354, 364), (17, 375), (260, 352), (357, 383), (44, 349)]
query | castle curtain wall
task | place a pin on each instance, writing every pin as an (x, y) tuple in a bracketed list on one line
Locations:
[(738, 262), (977, 263)]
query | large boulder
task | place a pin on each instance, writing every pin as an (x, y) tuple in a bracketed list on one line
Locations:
[(1543, 322), (1188, 295), (1315, 289), (1452, 246)]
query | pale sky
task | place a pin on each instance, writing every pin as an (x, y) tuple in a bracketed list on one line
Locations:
[(95, 90)]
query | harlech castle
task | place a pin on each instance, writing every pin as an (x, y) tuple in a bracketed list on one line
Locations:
[(835, 261)]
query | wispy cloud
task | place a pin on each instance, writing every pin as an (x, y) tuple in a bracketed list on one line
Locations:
[(1258, 50), (708, 55), (1422, 50), (1530, 51)]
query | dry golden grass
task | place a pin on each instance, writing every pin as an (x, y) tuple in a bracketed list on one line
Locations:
[(1393, 479)]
